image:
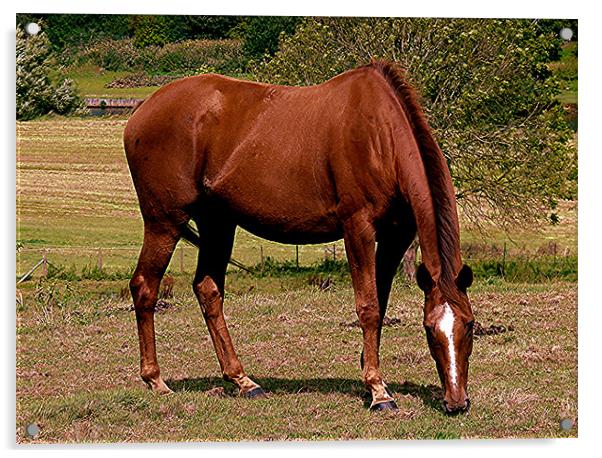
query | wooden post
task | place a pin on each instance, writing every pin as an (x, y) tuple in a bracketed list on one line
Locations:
[(334, 252), (297, 255)]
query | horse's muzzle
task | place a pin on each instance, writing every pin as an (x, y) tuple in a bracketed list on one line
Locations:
[(455, 408)]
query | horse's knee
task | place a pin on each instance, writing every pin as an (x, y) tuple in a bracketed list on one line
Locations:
[(368, 315), (142, 292), (209, 297)]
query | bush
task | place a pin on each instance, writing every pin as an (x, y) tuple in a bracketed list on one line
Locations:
[(36, 93), (150, 31), (72, 30), (261, 34), (185, 57), (487, 90)]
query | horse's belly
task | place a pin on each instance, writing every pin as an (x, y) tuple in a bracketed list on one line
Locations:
[(293, 229)]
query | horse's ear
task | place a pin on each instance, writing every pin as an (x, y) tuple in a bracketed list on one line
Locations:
[(424, 279), (464, 278)]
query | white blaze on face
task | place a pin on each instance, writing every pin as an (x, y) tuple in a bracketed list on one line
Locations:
[(446, 325)]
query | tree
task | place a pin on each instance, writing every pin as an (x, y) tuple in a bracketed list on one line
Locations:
[(486, 89), (37, 94), (261, 34)]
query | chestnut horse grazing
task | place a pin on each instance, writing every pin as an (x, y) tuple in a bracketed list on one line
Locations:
[(351, 158)]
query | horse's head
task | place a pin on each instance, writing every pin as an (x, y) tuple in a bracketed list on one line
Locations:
[(448, 322)]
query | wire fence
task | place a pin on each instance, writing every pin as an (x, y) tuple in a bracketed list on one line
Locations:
[(508, 260)]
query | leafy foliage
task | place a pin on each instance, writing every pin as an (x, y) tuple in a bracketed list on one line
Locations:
[(487, 90), (187, 56), (261, 34), (37, 94), (68, 30), (74, 30)]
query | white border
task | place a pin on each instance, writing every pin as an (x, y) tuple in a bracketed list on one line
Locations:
[(589, 229)]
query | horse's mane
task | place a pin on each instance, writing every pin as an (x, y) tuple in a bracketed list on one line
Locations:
[(436, 170)]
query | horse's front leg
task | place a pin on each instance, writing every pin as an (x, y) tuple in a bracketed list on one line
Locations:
[(360, 242)]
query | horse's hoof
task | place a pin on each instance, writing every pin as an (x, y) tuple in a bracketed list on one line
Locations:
[(255, 393), (387, 405)]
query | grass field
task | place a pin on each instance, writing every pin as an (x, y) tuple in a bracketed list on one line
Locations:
[(77, 364), (77, 350)]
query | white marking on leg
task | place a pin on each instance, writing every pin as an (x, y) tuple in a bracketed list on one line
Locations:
[(446, 325)]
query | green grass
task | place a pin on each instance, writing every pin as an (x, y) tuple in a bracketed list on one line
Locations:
[(77, 365), (91, 83)]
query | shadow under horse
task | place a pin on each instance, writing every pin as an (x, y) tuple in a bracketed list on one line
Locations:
[(429, 394)]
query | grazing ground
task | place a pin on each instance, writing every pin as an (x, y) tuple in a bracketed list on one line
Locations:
[(77, 348), (77, 365)]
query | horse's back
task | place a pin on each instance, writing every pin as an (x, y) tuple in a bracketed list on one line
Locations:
[(282, 158)]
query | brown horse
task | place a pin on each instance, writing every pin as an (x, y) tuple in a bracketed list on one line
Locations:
[(352, 158)]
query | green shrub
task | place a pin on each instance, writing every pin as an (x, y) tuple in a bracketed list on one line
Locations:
[(150, 31), (73, 30), (37, 94), (225, 56), (526, 270), (261, 34)]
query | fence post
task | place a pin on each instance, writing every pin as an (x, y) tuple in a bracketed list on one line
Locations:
[(44, 264), (297, 255), (504, 262), (334, 252)]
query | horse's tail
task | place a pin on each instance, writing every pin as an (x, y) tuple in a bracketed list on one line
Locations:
[(191, 235)]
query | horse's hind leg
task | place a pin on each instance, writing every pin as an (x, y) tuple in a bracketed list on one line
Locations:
[(214, 253), (360, 243), (159, 244), (392, 245)]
